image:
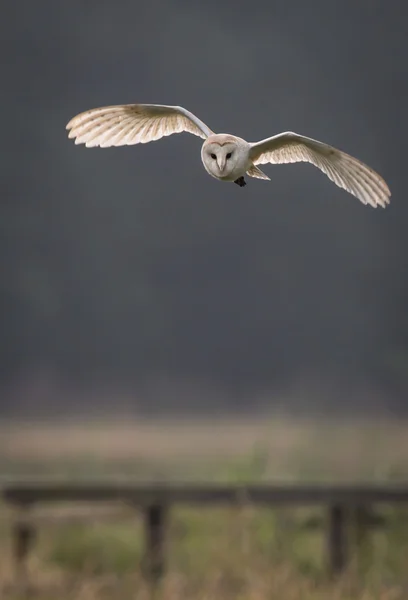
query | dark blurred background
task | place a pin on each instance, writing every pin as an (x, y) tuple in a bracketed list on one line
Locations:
[(132, 281)]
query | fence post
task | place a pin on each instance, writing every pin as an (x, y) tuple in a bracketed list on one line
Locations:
[(337, 548), (23, 537), (155, 524)]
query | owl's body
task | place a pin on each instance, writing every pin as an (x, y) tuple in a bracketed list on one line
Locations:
[(226, 157)]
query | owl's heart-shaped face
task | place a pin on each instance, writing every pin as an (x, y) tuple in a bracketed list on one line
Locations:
[(225, 156)]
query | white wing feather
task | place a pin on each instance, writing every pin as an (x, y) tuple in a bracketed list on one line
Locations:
[(128, 124), (344, 170)]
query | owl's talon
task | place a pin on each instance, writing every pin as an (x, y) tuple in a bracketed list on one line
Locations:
[(240, 181)]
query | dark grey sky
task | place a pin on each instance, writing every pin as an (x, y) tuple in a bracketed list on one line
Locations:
[(133, 261)]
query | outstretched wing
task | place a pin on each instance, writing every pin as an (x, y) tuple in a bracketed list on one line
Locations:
[(344, 170), (128, 124)]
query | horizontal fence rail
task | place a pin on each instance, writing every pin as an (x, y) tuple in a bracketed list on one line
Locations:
[(343, 503), (142, 494)]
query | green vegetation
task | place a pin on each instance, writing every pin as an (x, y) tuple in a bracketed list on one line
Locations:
[(220, 553), (97, 550)]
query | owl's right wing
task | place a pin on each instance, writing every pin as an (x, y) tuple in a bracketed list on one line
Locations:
[(344, 170), (128, 124)]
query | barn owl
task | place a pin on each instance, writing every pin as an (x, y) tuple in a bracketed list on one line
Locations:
[(226, 157)]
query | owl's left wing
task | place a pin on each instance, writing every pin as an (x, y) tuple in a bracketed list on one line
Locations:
[(344, 170), (128, 124)]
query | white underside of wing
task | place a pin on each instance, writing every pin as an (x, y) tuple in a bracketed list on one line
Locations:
[(344, 170), (129, 124)]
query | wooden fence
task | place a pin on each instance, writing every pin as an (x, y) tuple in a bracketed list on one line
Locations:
[(342, 504)]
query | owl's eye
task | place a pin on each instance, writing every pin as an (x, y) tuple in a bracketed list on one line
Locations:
[(213, 155), (227, 156)]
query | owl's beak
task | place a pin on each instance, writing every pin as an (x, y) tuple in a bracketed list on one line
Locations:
[(221, 163)]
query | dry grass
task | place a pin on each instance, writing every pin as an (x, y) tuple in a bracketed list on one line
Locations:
[(214, 554), (217, 554)]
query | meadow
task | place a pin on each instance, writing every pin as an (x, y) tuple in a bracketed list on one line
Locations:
[(217, 553)]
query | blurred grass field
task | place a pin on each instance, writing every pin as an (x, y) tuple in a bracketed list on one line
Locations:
[(270, 449), (212, 553)]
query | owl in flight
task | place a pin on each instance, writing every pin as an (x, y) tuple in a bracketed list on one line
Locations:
[(226, 157)]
